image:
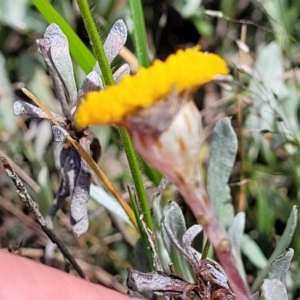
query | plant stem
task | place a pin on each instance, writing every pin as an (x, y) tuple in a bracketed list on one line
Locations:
[(107, 75), (141, 47), (96, 41), (33, 207), (137, 178), (139, 32), (136, 211), (197, 199)]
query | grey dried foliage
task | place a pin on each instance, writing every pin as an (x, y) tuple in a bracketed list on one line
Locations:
[(273, 287), (24, 108), (75, 172), (59, 133), (210, 281), (158, 282)]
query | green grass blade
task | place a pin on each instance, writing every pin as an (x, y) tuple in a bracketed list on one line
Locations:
[(139, 32)]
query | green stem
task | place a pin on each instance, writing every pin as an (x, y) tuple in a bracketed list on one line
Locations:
[(141, 47), (96, 42), (108, 79), (137, 179), (145, 241), (139, 32)]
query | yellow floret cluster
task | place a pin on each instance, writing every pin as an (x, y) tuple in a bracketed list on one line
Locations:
[(186, 69)]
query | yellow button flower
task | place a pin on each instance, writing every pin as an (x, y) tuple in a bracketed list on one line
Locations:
[(186, 69)]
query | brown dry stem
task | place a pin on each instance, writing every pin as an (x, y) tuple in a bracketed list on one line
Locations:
[(26, 198)]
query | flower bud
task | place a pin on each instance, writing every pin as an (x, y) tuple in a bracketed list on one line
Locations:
[(171, 141)]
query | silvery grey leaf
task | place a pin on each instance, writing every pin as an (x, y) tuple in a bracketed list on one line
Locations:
[(157, 210), (44, 181), (187, 9), (61, 59), (31, 131), (59, 133), (45, 43), (174, 224), (253, 252), (24, 108), (236, 230), (62, 193), (223, 150), (282, 244), (91, 83), (152, 246), (70, 168), (17, 15), (42, 139), (123, 70), (173, 229), (187, 241), (267, 87), (273, 290), (114, 42), (6, 88), (139, 256), (81, 226), (13, 17), (44, 46), (280, 266), (107, 201), (211, 273), (80, 196), (156, 282), (235, 234), (162, 185)]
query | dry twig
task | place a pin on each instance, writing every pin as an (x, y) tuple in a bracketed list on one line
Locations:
[(26, 198)]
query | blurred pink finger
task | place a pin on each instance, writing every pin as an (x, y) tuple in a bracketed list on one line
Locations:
[(23, 279)]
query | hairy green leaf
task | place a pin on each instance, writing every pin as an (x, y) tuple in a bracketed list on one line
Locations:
[(282, 244), (252, 251), (174, 219), (280, 266), (223, 150), (235, 233)]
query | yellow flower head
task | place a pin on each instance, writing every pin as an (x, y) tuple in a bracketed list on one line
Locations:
[(186, 69)]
